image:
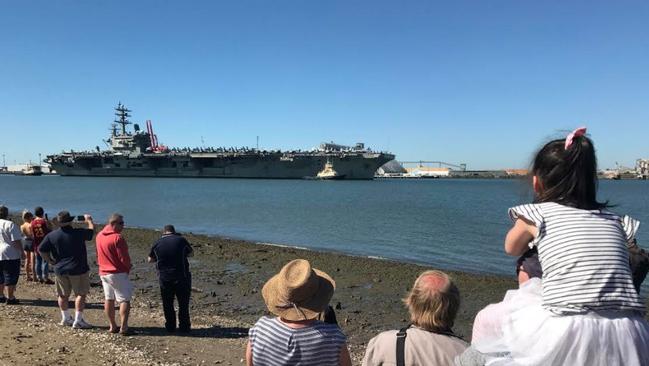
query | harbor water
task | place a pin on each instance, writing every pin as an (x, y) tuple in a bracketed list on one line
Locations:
[(448, 224)]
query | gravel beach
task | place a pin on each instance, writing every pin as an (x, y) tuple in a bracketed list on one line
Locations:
[(228, 275)]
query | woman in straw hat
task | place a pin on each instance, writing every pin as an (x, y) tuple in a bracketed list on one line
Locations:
[(297, 295)]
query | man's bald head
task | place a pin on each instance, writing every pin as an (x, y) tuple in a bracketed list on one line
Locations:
[(116, 221), (433, 301)]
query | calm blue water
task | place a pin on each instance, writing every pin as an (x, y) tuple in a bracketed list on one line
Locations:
[(450, 224)]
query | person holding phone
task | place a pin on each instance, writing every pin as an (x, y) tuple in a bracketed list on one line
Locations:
[(65, 248)]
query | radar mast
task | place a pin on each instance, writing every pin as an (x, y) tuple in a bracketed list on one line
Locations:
[(123, 114)]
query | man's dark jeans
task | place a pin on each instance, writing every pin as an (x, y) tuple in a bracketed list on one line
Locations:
[(180, 289)]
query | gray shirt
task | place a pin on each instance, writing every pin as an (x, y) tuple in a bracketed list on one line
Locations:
[(421, 348)]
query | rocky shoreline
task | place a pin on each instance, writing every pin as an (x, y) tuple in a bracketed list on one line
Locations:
[(228, 275)]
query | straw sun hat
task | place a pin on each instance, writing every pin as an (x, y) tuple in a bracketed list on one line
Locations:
[(298, 292)]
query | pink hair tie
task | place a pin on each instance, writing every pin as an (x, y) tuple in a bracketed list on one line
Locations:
[(576, 133)]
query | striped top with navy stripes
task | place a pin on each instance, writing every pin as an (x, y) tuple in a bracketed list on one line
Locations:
[(584, 257), (274, 343)]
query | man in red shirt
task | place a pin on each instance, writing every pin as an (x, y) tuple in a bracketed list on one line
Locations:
[(114, 266), (40, 228)]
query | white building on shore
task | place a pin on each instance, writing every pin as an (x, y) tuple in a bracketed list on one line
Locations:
[(22, 168), (642, 168)]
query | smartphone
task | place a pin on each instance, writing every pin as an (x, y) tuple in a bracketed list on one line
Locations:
[(81, 218)]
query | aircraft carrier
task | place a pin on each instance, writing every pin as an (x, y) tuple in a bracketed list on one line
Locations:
[(137, 154)]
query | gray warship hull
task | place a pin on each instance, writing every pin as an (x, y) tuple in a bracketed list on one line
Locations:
[(138, 154), (208, 165)]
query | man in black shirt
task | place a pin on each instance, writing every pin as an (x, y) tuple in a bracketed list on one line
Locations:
[(170, 254)]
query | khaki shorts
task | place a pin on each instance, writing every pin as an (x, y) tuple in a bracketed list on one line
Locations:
[(66, 284)]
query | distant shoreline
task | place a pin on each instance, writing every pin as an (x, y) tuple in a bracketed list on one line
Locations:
[(479, 175)]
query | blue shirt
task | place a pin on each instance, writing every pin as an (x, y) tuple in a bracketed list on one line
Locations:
[(67, 246), (170, 253)]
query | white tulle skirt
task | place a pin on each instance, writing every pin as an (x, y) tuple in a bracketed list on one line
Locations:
[(531, 335)]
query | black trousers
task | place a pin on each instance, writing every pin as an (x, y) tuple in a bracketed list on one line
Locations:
[(180, 289)]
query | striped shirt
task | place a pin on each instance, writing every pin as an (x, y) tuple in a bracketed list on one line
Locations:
[(274, 343), (584, 257)]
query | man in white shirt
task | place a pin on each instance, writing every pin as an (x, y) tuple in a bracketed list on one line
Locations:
[(10, 254)]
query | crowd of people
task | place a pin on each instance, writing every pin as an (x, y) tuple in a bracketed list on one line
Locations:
[(64, 248), (579, 270)]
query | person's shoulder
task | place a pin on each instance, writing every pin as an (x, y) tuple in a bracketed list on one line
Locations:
[(438, 338), (329, 328), (534, 207), (265, 321), (178, 239), (52, 237), (54, 233), (383, 340), (388, 334), (8, 224), (164, 240), (533, 212), (459, 342)]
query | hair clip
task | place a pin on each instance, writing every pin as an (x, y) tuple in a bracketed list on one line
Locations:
[(576, 133)]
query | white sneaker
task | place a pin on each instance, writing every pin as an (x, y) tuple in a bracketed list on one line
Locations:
[(66, 322), (81, 324)]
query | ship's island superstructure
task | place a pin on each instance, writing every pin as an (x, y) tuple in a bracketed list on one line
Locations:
[(138, 154)]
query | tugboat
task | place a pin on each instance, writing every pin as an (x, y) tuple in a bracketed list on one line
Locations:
[(329, 173), (138, 154)]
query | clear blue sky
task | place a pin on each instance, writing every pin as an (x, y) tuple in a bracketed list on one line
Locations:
[(476, 82)]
